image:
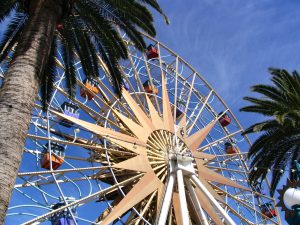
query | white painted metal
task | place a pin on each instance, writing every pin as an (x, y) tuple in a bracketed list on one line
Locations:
[(213, 200), (182, 199), (197, 203), (167, 200)]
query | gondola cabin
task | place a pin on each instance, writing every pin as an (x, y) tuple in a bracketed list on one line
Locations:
[(179, 113), (179, 109), (69, 109), (63, 217), (57, 156), (60, 26), (230, 149), (268, 210), (91, 85), (225, 120), (152, 52), (148, 88), (63, 221)]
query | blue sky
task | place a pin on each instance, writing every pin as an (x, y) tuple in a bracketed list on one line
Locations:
[(232, 43)]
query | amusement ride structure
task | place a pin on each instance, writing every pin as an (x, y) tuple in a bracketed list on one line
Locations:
[(168, 151)]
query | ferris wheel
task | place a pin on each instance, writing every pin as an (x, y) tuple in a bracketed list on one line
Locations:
[(169, 151)]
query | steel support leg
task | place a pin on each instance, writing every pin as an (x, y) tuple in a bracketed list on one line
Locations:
[(213, 200), (166, 201), (197, 203), (182, 199)]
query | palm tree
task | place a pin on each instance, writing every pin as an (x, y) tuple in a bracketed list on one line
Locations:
[(36, 30), (279, 142)]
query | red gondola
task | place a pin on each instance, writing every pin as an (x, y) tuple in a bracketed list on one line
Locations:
[(152, 52), (224, 120), (230, 149), (268, 210)]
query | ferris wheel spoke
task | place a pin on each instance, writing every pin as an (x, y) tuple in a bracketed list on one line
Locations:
[(176, 89), (146, 207), (84, 200), (151, 83), (105, 132), (210, 175), (246, 204), (31, 174), (203, 156), (206, 98), (238, 214), (39, 183), (209, 187), (220, 140), (218, 169), (78, 142)]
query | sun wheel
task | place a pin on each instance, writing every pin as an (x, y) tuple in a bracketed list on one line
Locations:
[(169, 151)]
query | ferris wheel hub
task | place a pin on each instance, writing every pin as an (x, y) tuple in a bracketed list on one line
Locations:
[(163, 147)]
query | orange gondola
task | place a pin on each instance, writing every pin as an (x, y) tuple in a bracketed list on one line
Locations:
[(91, 85), (148, 88), (57, 156)]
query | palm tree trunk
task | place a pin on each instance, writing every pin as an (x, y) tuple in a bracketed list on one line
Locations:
[(18, 94)]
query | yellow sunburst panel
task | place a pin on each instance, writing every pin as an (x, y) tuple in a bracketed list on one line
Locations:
[(154, 140)]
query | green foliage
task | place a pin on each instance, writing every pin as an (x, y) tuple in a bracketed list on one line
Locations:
[(88, 30), (279, 142), (6, 7)]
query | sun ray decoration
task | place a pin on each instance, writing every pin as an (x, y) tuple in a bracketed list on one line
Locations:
[(154, 156)]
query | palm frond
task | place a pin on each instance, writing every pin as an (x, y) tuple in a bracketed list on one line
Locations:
[(268, 91), (156, 6), (12, 34), (279, 141), (267, 125), (115, 71), (102, 29), (132, 13), (6, 7), (48, 77), (68, 51)]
